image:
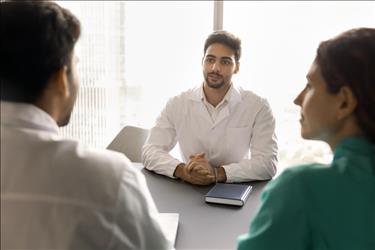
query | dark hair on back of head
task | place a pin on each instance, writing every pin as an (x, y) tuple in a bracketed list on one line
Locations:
[(226, 38), (37, 39), (349, 60)]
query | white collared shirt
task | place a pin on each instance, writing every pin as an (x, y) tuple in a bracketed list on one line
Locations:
[(56, 194), (241, 138), (215, 111)]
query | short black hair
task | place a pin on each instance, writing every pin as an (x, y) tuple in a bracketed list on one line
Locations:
[(37, 39), (349, 60), (226, 38)]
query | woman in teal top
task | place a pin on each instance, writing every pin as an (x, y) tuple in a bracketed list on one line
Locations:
[(328, 207)]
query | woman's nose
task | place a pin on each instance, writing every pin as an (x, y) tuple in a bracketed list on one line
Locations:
[(298, 100)]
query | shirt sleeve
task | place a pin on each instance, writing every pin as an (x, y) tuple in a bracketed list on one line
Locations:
[(282, 222), (263, 149), (136, 223), (161, 140)]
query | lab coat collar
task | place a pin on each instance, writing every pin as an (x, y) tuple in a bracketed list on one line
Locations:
[(24, 115), (233, 98)]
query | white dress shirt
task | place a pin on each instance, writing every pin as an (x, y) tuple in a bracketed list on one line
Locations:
[(239, 134), (56, 194)]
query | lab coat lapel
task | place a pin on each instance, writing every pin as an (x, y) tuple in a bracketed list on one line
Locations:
[(233, 100), (199, 109), (224, 113), (203, 112)]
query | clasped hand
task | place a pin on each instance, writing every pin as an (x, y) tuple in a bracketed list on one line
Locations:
[(199, 171)]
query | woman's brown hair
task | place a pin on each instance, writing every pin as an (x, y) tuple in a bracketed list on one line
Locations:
[(349, 59)]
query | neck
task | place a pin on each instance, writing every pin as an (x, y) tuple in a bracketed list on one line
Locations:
[(215, 96), (348, 129), (49, 104)]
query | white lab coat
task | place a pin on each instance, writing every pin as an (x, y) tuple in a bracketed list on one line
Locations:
[(56, 194), (241, 139)]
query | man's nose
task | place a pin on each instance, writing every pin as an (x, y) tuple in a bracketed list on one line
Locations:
[(216, 67)]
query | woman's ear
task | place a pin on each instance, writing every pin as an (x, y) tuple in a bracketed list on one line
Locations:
[(348, 102)]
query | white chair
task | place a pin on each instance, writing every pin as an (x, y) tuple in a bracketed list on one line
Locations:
[(129, 141)]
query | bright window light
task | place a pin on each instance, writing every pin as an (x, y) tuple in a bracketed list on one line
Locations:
[(135, 55), (279, 44)]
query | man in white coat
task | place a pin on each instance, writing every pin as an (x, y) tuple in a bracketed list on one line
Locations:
[(56, 194), (225, 133)]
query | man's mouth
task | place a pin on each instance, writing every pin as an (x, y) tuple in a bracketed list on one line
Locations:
[(214, 77)]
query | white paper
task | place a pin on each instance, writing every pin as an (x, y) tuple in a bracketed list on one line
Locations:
[(169, 224)]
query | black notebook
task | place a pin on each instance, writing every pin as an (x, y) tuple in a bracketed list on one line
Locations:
[(231, 194)]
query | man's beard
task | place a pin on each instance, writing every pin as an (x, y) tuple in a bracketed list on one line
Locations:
[(65, 121), (70, 102), (214, 85)]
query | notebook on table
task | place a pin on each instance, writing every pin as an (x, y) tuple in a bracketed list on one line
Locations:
[(230, 194)]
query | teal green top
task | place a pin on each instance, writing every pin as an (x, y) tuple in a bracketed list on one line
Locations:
[(320, 207)]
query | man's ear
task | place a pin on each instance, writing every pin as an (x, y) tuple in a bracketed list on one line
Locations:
[(348, 102), (237, 67), (61, 81)]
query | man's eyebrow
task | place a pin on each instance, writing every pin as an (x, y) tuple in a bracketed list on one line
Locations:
[(221, 58), (227, 58)]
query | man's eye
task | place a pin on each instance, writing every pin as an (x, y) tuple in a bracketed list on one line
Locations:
[(226, 62)]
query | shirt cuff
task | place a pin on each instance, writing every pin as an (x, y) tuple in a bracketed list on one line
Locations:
[(229, 173), (172, 168)]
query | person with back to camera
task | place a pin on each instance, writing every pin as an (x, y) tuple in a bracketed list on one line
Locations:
[(56, 194), (328, 207)]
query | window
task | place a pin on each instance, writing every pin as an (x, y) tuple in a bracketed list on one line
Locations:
[(135, 55), (98, 111), (279, 44), (164, 48)]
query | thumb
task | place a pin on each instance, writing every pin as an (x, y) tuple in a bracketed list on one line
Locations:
[(201, 155)]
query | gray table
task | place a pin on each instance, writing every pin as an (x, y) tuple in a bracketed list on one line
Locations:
[(202, 225)]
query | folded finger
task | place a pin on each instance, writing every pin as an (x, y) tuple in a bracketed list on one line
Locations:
[(191, 166)]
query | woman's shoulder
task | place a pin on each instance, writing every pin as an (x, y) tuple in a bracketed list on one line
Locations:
[(303, 171), (299, 177)]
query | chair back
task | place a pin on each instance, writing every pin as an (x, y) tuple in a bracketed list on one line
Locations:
[(129, 141)]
